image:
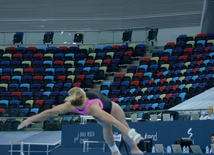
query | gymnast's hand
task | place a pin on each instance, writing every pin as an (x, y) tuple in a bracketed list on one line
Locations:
[(25, 123)]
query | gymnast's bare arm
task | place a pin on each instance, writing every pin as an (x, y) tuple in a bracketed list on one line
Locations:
[(100, 114), (60, 109)]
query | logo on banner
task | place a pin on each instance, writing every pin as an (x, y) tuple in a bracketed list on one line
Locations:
[(76, 138), (117, 137), (154, 137), (83, 136), (90, 134), (189, 132)]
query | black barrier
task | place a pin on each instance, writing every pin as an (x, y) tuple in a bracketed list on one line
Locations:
[(145, 145)]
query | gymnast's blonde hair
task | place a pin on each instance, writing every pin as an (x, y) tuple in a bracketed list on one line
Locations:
[(76, 96)]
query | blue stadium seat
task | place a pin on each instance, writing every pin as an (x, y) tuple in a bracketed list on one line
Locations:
[(59, 56), (51, 49), (107, 49), (14, 102), (67, 118), (50, 63), (182, 95), (150, 96), (4, 103), (49, 77), (181, 86), (108, 83), (63, 93), (21, 48), (41, 48), (167, 51), (156, 81), (157, 53), (102, 55), (105, 92), (148, 105), (47, 93), (144, 66), (149, 74), (154, 105), (25, 85), (99, 49), (201, 42), (166, 72), (87, 68), (95, 68), (14, 85), (27, 93), (206, 61), (25, 110), (60, 69), (51, 85), (35, 110), (68, 85), (126, 83), (161, 105), (81, 62), (139, 50), (67, 55), (132, 90), (120, 99)]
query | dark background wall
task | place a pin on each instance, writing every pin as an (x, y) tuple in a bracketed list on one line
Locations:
[(207, 24), (98, 15), (161, 132)]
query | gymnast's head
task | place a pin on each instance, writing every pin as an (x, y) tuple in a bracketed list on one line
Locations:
[(76, 96)]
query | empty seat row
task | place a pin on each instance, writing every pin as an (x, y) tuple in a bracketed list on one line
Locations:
[(143, 107)]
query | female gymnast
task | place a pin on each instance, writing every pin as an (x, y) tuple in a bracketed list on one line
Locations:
[(106, 113)]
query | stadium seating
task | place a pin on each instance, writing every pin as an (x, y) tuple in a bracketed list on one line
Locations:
[(33, 79)]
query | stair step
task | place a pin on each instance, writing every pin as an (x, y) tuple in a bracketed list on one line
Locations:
[(37, 125), (121, 72), (135, 62), (158, 48), (149, 54), (33, 129), (109, 78)]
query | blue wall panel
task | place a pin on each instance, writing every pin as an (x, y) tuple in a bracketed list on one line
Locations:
[(161, 132)]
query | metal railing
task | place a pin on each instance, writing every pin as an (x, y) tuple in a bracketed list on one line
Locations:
[(92, 38), (21, 151), (86, 148), (83, 118)]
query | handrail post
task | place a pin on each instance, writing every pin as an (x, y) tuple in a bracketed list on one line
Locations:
[(47, 149), (87, 148), (21, 149), (103, 147), (83, 146), (11, 149), (28, 149)]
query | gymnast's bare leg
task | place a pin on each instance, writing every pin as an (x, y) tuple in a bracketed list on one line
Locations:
[(118, 113)]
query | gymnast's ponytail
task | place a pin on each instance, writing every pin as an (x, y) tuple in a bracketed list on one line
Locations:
[(76, 96)]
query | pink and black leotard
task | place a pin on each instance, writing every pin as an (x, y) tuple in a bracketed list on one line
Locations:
[(105, 103)]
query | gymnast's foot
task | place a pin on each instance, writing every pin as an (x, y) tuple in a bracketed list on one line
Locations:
[(136, 137), (139, 139), (136, 151), (115, 153)]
